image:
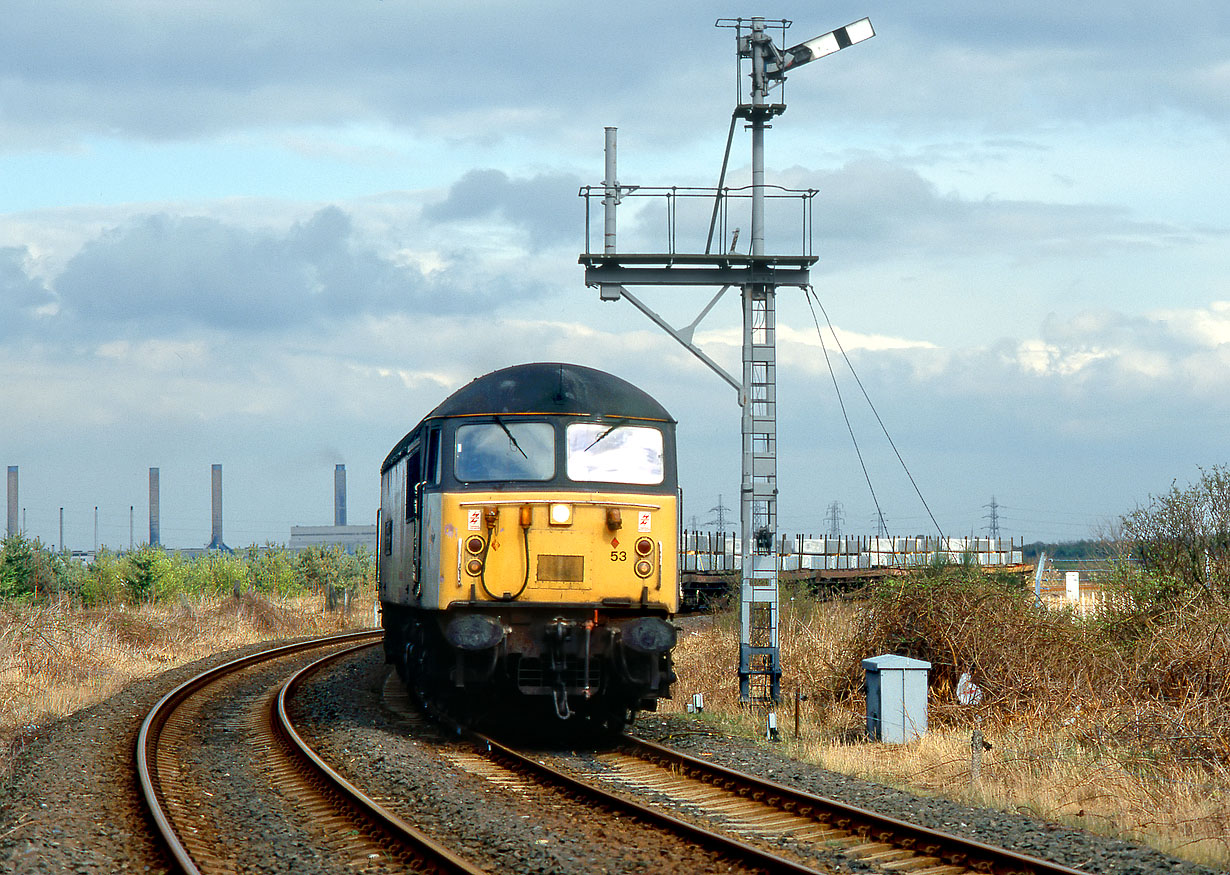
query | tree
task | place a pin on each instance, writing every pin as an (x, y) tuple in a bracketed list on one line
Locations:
[(17, 577), (1182, 538)]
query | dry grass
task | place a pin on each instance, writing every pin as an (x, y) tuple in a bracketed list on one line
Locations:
[(1146, 769), (57, 658)]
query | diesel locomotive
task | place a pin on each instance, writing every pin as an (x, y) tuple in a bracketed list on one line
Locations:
[(527, 556)]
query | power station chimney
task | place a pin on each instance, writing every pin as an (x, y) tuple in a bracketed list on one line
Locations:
[(339, 495), (11, 529), (155, 511), (215, 538)]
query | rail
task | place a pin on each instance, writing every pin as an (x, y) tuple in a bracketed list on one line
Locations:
[(671, 205), (950, 849), (432, 856)]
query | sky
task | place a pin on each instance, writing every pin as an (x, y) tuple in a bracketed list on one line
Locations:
[(274, 235)]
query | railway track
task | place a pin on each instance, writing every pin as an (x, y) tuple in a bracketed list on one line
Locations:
[(373, 838), (754, 824), (757, 807), (763, 824)]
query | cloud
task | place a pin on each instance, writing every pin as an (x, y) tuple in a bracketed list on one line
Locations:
[(22, 297), (165, 270), (502, 70), (545, 206), (884, 205), (161, 73)]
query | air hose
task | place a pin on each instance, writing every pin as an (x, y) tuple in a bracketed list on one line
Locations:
[(482, 571)]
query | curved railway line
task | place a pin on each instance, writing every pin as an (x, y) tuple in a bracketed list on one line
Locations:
[(747, 822), (176, 807)]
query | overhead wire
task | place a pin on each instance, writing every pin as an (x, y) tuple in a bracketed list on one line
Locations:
[(841, 402), (810, 295)]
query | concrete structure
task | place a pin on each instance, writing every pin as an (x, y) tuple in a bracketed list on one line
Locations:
[(215, 482), (712, 552), (155, 510), (349, 538), (896, 698), (339, 495), (11, 528)]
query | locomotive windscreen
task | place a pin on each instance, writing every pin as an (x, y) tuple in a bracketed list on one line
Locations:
[(614, 453)]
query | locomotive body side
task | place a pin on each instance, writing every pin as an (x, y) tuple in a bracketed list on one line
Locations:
[(529, 546)]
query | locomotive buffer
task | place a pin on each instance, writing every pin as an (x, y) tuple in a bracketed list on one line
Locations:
[(758, 275)]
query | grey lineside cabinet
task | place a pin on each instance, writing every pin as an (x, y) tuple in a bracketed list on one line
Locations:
[(896, 697)]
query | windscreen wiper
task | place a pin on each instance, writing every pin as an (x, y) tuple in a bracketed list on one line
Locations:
[(619, 422), (501, 424)]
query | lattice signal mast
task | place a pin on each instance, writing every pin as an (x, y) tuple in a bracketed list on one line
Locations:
[(758, 275)]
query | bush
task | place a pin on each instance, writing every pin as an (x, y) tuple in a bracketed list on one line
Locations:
[(336, 573), (103, 582), (274, 570), (17, 568), (141, 571), (960, 619), (28, 570), (1182, 539)]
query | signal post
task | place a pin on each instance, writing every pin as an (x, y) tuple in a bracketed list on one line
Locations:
[(757, 275)]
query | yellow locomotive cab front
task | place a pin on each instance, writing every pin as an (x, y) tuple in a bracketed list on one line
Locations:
[(601, 549)]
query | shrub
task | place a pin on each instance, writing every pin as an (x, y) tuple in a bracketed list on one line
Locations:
[(274, 570), (17, 568), (1182, 539), (102, 583), (141, 572), (1027, 661), (226, 574)]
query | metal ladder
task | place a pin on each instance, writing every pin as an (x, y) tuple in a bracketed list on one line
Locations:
[(759, 657)]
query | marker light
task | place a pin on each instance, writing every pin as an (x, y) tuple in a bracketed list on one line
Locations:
[(561, 514)]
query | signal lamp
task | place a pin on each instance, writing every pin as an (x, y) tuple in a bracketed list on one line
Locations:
[(643, 568), (474, 566), (474, 544), (644, 546), (561, 514)]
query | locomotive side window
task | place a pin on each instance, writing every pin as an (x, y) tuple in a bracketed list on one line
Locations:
[(431, 474), (505, 451), (614, 453)]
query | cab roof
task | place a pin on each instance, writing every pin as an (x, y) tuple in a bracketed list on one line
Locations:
[(551, 388)]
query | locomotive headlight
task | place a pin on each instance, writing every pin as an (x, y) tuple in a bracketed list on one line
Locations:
[(561, 514)]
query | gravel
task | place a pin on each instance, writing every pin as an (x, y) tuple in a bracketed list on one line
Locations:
[(69, 801), (1038, 838)]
